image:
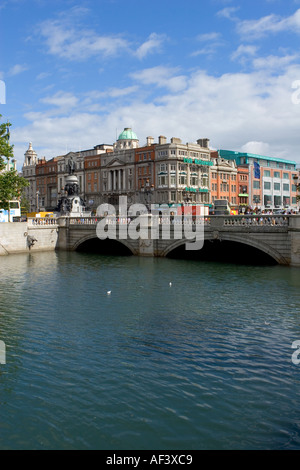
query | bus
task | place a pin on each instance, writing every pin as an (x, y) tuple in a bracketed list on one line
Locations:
[(221, 207), (14, 213)]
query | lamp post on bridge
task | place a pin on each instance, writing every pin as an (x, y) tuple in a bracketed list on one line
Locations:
[(147, 190), (297, 184)]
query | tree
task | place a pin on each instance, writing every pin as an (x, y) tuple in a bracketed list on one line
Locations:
[(6, 150), (11, 183)]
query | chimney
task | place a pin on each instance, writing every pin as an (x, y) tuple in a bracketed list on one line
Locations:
[(175, 140), (150, 141), (162, 140), (203, 143)]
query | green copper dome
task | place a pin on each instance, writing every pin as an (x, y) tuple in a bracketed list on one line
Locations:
[(128, 134)]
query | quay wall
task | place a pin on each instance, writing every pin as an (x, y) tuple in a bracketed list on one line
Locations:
[(18, 237)]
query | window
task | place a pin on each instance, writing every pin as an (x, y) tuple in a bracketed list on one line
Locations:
[(267, 173), (204, 180), (286, 187), (267, 200), (173, 196), (194, 180), (173, 180), (182, 179), (276, 174), (173, 167), (267, 185), (277, 200), (276, 186), (162, 181), (286, 176), (256, 184)]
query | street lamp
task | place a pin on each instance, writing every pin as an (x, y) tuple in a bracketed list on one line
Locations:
[(297, 184), (147, 190), (37, 201)]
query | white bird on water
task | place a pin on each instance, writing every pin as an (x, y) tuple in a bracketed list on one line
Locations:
[(170, 284), (108, 292)]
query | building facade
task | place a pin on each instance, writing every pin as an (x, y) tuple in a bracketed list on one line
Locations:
[(265, 182), (29, 172), (224, 180), (160, 173)]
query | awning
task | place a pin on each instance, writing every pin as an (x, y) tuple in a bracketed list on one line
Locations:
[(243, 195)]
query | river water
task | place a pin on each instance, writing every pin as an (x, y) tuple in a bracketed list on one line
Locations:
[(204, 363)]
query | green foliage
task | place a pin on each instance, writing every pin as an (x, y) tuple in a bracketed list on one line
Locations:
[(11, 184), (25, 205), (6, 150), (11, 187)]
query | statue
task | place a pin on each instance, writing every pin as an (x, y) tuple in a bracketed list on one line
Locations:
[(71, 166)]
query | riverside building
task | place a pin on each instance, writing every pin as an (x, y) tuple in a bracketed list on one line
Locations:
[(157, 173), (264, 182)]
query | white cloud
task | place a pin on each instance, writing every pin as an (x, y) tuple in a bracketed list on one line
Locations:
[(243, 51), (259, 148), (161, 76), (253, 29), (153, 44), (77, 44), (229, 13), (238, 111), (62, 100), (17, 69), (272, 62), (212, 41), (213, 36)]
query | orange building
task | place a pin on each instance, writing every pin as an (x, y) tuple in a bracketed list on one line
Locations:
[(92, 167), (243, 186), (46, 184), (224, 180), (145, 166)]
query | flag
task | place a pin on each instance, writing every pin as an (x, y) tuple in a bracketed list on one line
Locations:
[(256, 170)]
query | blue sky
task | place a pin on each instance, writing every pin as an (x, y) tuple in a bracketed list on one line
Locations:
[(77, 73)]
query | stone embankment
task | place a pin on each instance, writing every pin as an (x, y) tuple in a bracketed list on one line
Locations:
[(24, 237)]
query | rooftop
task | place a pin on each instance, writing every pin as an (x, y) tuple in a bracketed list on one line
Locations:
[(128, 134), (231, 154)]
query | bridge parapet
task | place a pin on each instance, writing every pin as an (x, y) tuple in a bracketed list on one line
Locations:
[(41, 221), (216, 221)]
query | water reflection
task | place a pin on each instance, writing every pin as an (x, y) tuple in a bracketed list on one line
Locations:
[(196, 364)]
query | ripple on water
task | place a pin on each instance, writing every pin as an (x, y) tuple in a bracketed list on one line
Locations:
[(204, 364)]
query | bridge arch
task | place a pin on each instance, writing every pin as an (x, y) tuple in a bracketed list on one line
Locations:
[(233, 238), (95, 240)]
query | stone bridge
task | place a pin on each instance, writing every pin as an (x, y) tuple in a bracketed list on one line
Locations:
[(276, 236)]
